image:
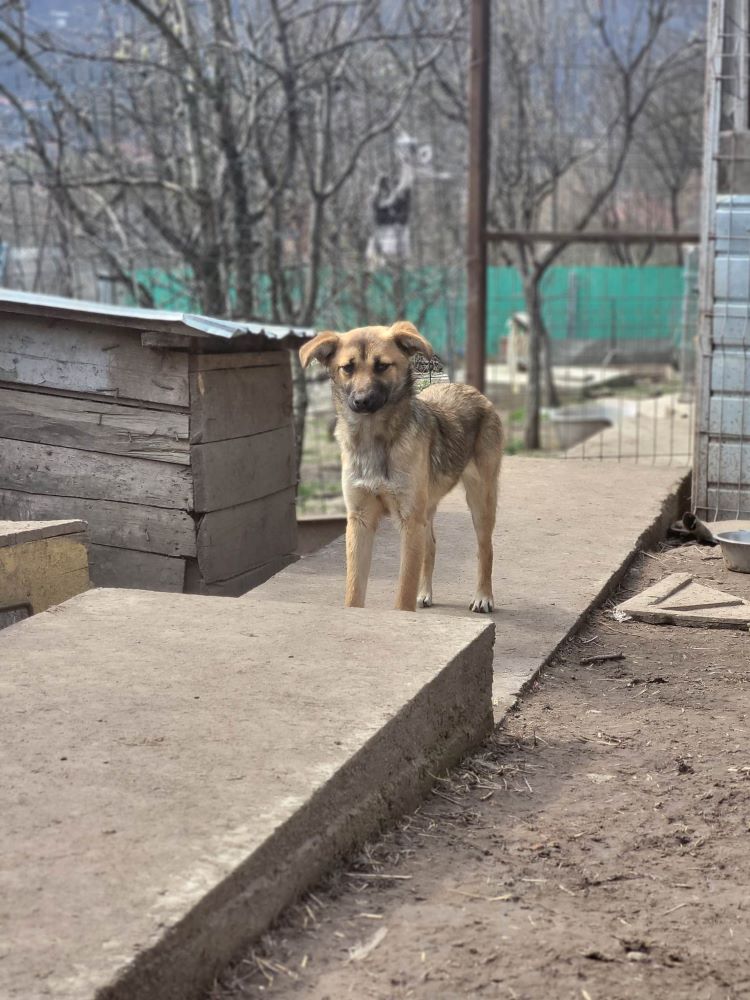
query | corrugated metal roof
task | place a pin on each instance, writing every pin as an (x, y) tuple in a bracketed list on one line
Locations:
[(157, 320)]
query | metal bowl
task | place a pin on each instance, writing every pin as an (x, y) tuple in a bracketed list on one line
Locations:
[(735, 547)]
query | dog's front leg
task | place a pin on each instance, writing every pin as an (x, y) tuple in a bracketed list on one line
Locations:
[(361, 521), (413, 538)]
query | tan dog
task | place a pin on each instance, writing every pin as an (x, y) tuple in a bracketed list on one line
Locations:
[(401, 453)]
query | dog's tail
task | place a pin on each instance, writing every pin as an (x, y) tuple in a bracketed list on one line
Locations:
[(490, 441)]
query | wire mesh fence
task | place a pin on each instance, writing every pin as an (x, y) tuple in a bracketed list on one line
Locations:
[(619, 357), (622, 363)]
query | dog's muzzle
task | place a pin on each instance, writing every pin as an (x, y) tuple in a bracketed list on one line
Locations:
[(366, 402)]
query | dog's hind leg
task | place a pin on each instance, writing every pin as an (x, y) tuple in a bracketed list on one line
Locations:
[(480, 482), (424, 600), (362, 519)]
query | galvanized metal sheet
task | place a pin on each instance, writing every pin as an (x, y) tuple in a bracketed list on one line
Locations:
[(729, 416), (727, 502), (160, 320), (728, 463), (732, 278), (733, 225), (731, 324), (730, 372)]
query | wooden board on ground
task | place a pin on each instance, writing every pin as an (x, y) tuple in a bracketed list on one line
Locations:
[(100, 425), (238, 402), (112, 567), (228, 473), (64, 354), (39, 468), (679, 600), (161, 530)]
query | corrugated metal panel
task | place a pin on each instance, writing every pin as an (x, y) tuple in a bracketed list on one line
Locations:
[(156, 320), (724, 425)]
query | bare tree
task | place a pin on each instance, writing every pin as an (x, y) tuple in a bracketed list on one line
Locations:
[(570, 84), (214, 139), (671, 143)]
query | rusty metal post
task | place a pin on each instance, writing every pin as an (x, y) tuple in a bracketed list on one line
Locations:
[(476, 242)]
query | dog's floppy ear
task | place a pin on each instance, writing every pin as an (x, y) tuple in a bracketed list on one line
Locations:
[(410, 340), (320, 348)]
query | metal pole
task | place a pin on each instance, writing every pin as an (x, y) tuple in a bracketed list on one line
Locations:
[(476, 243), (707, 254)]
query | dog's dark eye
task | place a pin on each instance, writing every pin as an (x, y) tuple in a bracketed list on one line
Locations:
[(348, 368), (381, 366)]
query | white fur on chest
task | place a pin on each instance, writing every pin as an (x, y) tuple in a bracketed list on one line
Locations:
[(373, 466)]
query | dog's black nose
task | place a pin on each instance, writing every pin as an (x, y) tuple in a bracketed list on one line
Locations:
[(363, 402)]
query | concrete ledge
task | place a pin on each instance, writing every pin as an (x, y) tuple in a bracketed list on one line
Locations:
[(42, 563), (179, 768), (567, 530), (14, 532)]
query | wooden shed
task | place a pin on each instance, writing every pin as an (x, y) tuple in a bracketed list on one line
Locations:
[(169, 434)]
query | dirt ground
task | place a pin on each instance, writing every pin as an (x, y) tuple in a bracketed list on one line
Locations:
[(596, 848)]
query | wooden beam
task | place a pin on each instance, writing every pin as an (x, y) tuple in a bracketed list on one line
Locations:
[(238, 402), (587, 236), (72, 356), (161, 530), (234, 541), (95, 425), (139, 570), (40, 468), (236, 586), (235, 471)]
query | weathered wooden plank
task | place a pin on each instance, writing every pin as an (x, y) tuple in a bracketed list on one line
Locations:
[(168, 341), (63, 354), (227, 473), (237, 402), (111, 567), (241, 359), (162, 530), (235, 540), (41, 468), (95, 426), (237, 585)]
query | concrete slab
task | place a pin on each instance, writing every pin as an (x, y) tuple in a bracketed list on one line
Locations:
[(42, 563), (566, 531), (14, 532), (176, 769)]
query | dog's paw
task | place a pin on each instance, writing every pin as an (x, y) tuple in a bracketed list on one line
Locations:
[(425, 600), (482, 604)]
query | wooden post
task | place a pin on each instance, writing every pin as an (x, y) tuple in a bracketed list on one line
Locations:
[(476, 249)]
